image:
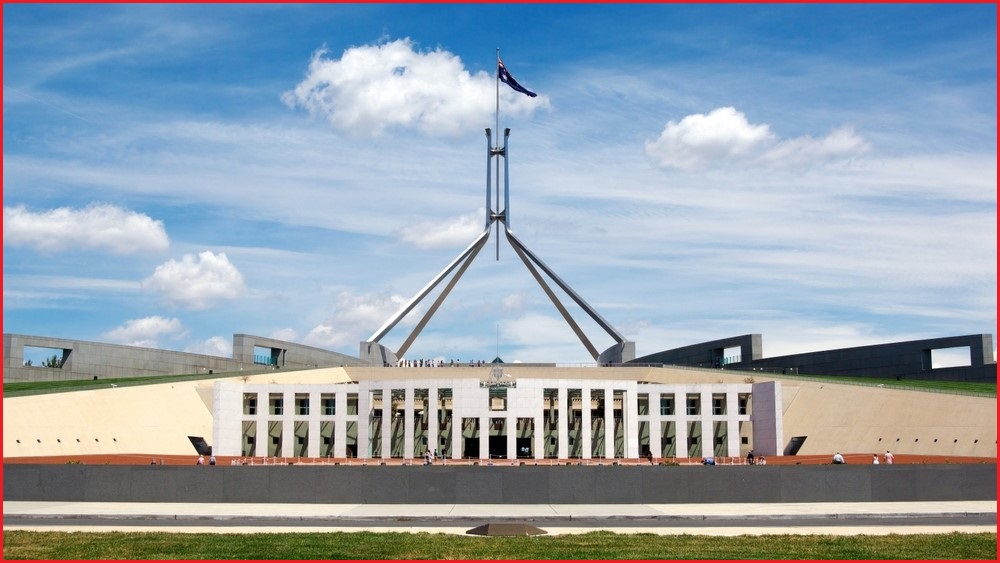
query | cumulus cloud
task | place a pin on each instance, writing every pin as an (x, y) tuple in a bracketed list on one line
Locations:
[(197, 282), (842, 142), (374, 87), (97, 226), (214, 346), (435, 234), (145, 332), (351, 312), (725, 136), (286, 334)]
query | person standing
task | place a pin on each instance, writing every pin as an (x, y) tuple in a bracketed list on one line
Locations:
[(750, 460), (874, 459), (888, 457), (838, 459)]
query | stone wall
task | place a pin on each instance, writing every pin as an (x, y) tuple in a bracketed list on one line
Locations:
[(499, 484)]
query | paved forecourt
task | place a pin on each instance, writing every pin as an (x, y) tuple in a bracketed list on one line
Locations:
[(721, 519)]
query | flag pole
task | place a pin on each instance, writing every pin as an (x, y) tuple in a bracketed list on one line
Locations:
[(496, 149), (497, 114)]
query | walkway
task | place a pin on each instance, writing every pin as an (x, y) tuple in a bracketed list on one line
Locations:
[(704, 519)]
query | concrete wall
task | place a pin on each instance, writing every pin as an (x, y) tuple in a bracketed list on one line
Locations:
[(97, 360), (902, 360), (707, 354), (499, 485)]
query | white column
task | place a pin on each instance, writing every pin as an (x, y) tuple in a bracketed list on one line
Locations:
[(408, 419), (539, 435), (733, 420), (707, 422), (431, 416), (563, 422), (340, 424), (655, 423), (484, 436), (288, 424), (609, 422), (364, 416), (386, 423), (315, 408), (511, 437), (630, 411), (680, 408)]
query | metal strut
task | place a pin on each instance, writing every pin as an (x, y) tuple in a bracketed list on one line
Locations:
[(620, 352)]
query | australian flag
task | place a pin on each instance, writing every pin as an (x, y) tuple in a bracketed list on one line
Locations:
[(507, 79)]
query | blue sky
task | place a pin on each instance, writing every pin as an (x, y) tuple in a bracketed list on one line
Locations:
[(822, 174)]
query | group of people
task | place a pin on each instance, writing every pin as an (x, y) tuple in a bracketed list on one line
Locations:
[(839, 459), (752, 459), (429, 457), (201, 460), (404, 363)]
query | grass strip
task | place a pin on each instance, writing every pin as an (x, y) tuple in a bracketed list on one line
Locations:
[(425, 546)]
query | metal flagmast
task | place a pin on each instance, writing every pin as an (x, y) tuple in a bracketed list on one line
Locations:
[(496, 217), (496, 147)]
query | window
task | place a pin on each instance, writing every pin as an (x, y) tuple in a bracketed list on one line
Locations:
[(744, 403), (302, 404), (250, 403), (693, 405), (329, 404), (277, 404), (666, 405), (643, 403), (718, 404), (498, 399)]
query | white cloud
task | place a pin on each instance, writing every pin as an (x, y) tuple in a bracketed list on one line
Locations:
[(842, 142), (460, 231), (352, 313), (725, 136), (197, 282), (374, 87), (286, 334), (214, 346), (145, 332), (97, 226)]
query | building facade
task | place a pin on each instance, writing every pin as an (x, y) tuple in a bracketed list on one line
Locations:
[(496, 417)]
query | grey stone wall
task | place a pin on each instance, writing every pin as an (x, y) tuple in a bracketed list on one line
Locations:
[(902, 360), (499, 484), (89, 360)]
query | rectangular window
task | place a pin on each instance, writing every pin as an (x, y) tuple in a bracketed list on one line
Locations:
[(250, 403), (302, 404), (744, 403), (666, 405), (693, 405), (498, 399), (718, 404), (329, 402), (643, 399), (277, 404)]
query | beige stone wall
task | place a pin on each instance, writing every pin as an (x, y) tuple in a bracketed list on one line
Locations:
[(156, 419)]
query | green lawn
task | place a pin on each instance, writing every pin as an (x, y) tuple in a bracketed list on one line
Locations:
[(594, 545)]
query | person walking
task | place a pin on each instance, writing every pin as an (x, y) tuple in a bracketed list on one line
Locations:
[(888, 457), (838, 459)]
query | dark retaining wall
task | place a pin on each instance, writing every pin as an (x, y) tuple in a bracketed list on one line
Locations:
[(498, 485)]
